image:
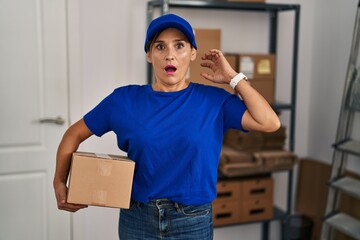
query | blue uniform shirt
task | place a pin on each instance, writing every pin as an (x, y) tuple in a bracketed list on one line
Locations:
[(175, 138)]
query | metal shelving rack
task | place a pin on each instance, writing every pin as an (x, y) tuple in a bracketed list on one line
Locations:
[(273, 11)]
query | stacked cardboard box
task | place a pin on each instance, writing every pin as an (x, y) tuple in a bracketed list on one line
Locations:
[(279, 160), (255, 141), (257, 203), (226, 207), (241, 201), (254, 152), (260, 70), (235, 163)]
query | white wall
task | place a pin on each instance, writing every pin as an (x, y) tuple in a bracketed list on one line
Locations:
[(331, 51), (106, 51)]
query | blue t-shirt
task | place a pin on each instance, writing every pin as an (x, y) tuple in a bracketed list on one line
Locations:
[(175, 138)]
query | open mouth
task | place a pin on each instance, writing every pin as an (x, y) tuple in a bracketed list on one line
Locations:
[(170, 69)]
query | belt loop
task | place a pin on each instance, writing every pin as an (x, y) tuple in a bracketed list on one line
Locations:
[(177, 207), (157, 203)]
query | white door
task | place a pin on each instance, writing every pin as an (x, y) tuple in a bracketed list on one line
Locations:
[(33, 87)]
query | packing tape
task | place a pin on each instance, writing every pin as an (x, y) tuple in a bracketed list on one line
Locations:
[(101, 155), (104, 168), (99, 197)]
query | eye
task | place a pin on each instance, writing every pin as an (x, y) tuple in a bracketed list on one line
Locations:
[(179, 45), (159, 46)]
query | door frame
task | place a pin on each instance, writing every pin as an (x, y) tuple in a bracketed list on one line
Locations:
[(75, 90)]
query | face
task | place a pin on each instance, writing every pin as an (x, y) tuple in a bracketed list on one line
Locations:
[(170, 55)]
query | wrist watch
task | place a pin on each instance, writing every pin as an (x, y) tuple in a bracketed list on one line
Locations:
[(237, 79)]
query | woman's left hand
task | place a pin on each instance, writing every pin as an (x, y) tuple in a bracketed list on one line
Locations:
[(216, 61)]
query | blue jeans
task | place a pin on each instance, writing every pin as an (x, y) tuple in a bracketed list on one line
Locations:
[(164, 219)]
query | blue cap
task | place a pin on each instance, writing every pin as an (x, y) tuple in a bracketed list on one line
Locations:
[(169, 21)]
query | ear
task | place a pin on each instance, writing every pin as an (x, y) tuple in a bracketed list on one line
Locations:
[(148, 57), (193, 54)]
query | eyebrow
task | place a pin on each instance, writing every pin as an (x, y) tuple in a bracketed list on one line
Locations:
[(176, 40)]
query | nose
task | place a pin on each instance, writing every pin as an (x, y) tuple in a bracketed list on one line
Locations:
[(169, 54)]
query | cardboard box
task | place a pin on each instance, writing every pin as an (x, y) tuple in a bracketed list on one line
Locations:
[(228, 191), (260, 188), (226, 213), (245, 142), (237, 163), (241, 201), (255, 141), (313, 178), (257, 195), (100, 180), (206, 39), (256, 209), (276, 160), (260, 70), (266, 87), (274, 140), (257, 66), (233, 60)]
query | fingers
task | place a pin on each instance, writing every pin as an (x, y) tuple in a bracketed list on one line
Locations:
[(209, 55), (213, 54), (207, 76), (70, 207), (60, 193), (63, 205), (206, 64)]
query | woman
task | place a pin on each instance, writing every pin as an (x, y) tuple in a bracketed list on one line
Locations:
[(173, 130)]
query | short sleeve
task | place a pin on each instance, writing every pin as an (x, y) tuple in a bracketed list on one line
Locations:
[(98, 119), (233, 109)]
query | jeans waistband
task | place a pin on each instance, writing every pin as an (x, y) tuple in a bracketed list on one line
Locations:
[(164, 203), (160, 203)]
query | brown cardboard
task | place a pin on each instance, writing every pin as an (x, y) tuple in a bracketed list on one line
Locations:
[(257, 66), (274, 140), (257, 203), (245, 142), (260, 70), (206, 39), (257, 188), (256, 209), (312, 178), (238, 163), (228, 191), (265, 86), (255, 141), (226, 213), (276, 160), (311, 194), (100, 180), (233, 60), (241, 201)]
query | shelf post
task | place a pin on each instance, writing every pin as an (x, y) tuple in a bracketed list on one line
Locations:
[(273, 31)]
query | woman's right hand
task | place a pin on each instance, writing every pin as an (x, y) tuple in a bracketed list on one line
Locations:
[(60, 193), (76, 134)]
